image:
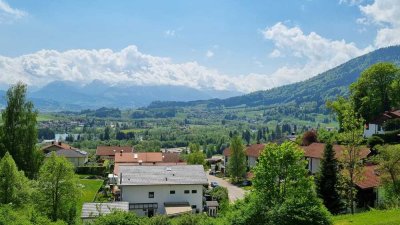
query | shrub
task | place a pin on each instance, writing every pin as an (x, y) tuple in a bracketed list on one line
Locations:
[(91, 170), (390, 137), (375, 140), (392, 125)]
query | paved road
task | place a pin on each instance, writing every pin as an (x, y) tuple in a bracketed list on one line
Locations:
[(233, 191)]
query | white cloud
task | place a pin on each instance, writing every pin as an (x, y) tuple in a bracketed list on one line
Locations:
[(209, 54), (169, 33), (7, 13), (275, 54), (319, 53), (386, 15)]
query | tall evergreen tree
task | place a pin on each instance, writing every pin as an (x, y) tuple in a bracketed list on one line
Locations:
[(18, 131), (237, 160), (327, 181)]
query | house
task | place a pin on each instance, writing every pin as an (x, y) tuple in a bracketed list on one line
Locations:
[(91, 210), (368, 192), (170, 190), (108, 152), (315, 152), (376, 125), (252, 154), (75, 156)]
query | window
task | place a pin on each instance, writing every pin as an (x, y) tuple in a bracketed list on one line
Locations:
[(172, 192), (194, 191), (194, 206), (151, 194), (187, 191)]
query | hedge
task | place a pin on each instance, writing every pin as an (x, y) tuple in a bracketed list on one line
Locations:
[(91, 170), (390, 136)]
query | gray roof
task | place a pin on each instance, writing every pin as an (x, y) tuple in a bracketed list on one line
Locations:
[(91, 210), (69, 153), (162, 175)]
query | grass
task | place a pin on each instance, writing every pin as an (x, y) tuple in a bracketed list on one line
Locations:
[(89, 191), (373, 217)]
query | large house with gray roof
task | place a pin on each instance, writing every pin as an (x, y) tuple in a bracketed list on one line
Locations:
[(170, 190)]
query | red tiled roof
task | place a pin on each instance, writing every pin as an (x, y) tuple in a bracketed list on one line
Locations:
[(144, 157), (59, 145), (316, 150), (111, 150), (170, 157), (251, 150), (255, 150), (370, 178)]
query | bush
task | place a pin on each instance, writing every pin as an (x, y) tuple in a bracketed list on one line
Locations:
[(390, 137), (392, 125), (375, 140), (91, 170), (159, 220), (120, 218)]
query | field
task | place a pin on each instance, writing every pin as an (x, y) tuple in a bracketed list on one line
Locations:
[(89, 191), (374, 217)]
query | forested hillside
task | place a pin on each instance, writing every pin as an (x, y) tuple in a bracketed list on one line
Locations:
[(316, 90)]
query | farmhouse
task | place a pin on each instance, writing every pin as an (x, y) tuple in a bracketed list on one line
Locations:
[(376, 125), (170, 190)]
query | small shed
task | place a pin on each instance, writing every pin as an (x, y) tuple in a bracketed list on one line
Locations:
[(212, 208), (92, 210)]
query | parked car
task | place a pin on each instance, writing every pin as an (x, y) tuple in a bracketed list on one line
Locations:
[(214, 184), (246, 183)]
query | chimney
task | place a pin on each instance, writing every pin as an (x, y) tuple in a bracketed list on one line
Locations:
[(120, 152)]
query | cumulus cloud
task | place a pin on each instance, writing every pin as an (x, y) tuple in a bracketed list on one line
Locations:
[(318, 52), (7, 13), (126, 67), (275, 54), (386, 15)]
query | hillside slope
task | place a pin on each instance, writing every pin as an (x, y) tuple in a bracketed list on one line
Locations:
[(318, 89)]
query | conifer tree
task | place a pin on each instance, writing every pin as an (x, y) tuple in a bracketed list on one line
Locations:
[(327, 181)]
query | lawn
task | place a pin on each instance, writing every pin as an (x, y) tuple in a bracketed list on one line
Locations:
[(374, 217), (89, 190)]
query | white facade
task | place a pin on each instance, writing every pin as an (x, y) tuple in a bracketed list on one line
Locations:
[(373, 129), (174, 193), (314, 165)]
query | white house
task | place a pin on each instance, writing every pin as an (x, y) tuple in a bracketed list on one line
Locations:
[(375, 126), (170, 190)]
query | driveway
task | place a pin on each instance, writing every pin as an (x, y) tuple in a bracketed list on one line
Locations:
[(234, 192)]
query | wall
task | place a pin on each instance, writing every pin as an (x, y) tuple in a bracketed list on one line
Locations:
[(251, 161), (373, 129), (313, 165), (140, 194)]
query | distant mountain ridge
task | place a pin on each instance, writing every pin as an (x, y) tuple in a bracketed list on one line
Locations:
[(72, 96), (325, 86)]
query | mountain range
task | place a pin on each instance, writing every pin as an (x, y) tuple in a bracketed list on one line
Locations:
[(72, 96)]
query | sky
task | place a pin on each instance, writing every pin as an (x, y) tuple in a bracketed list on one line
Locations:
[(221, 45)]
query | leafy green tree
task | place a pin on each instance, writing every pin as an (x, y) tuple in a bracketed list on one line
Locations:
[(14, 186), (237, 159), (375, 91), (58, 190), (148, 146), (338, 107), (10, 215), (327, 181), (159, 220), (19, 132), (284, 192), (389, 168), (350, 160), (196, 158), (220, 194), (194, 147)]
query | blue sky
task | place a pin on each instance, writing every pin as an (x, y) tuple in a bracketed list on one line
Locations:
[(259, 43)]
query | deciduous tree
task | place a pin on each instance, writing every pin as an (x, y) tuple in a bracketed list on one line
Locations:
[(237, 159)]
